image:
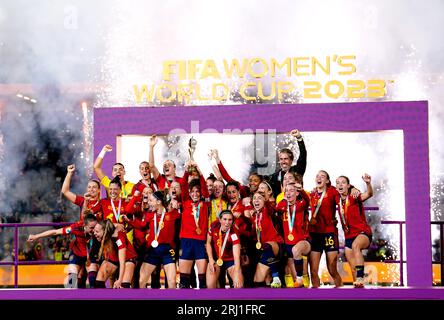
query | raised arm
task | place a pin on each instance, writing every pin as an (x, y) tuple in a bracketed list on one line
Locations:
[(301, 163), (203, 183), (45, 234), (214, 166), (220, 166), (71, 196), (98, 162), (130, 206), (369, 192), (153, 168)]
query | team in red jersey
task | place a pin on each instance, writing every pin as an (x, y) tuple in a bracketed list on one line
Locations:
[(357, 233), (91, 198), (241, 223), (255, 234), (159, 241), (82, 230), (244, 229), (164, 180), (268, 241), (136, 211), (294, 213), (113, 208), (193, 232), (323, 230), (210, 183), (115, 253), (254, 179), (223, 249), (146, 181)]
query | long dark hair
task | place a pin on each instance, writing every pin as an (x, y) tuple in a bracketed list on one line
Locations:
[(159, 195), (106, 244), (116, 180)]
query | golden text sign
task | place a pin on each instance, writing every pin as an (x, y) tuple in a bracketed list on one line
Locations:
[(267, 79)]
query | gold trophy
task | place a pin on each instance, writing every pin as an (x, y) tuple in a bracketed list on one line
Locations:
[(192, 147)]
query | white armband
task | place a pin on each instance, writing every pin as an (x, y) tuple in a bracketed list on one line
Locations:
[(102, 154)]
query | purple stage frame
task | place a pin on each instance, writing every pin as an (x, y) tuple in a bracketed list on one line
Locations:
[(225, 294), (411, 117)]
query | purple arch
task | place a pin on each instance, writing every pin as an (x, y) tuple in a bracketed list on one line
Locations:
[(411, 117)]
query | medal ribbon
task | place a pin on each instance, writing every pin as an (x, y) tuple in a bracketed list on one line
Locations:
[(196, 214), (258, 226), (291, 217), (157, 231), (319, 203), (116, 214), (234, 206), (90, 207), (343, 208), (222, 248)]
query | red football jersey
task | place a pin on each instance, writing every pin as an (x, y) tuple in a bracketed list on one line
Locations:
[(162, 181), (93, 205), (188, 227), (139, 186), (138, 222), (78, 245), (167, 232), (300, 224), (264, 223), (121, 242), (244, 191), (354, 213), (114, 215), (325, 218), (218, 239)]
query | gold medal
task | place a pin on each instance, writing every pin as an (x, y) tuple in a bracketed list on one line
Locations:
[(258, 245), (219, 262), (198, 231), (290, 237)]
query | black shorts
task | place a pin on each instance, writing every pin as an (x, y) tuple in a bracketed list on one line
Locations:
[(289, 248), (349, 242), (327, 242)]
